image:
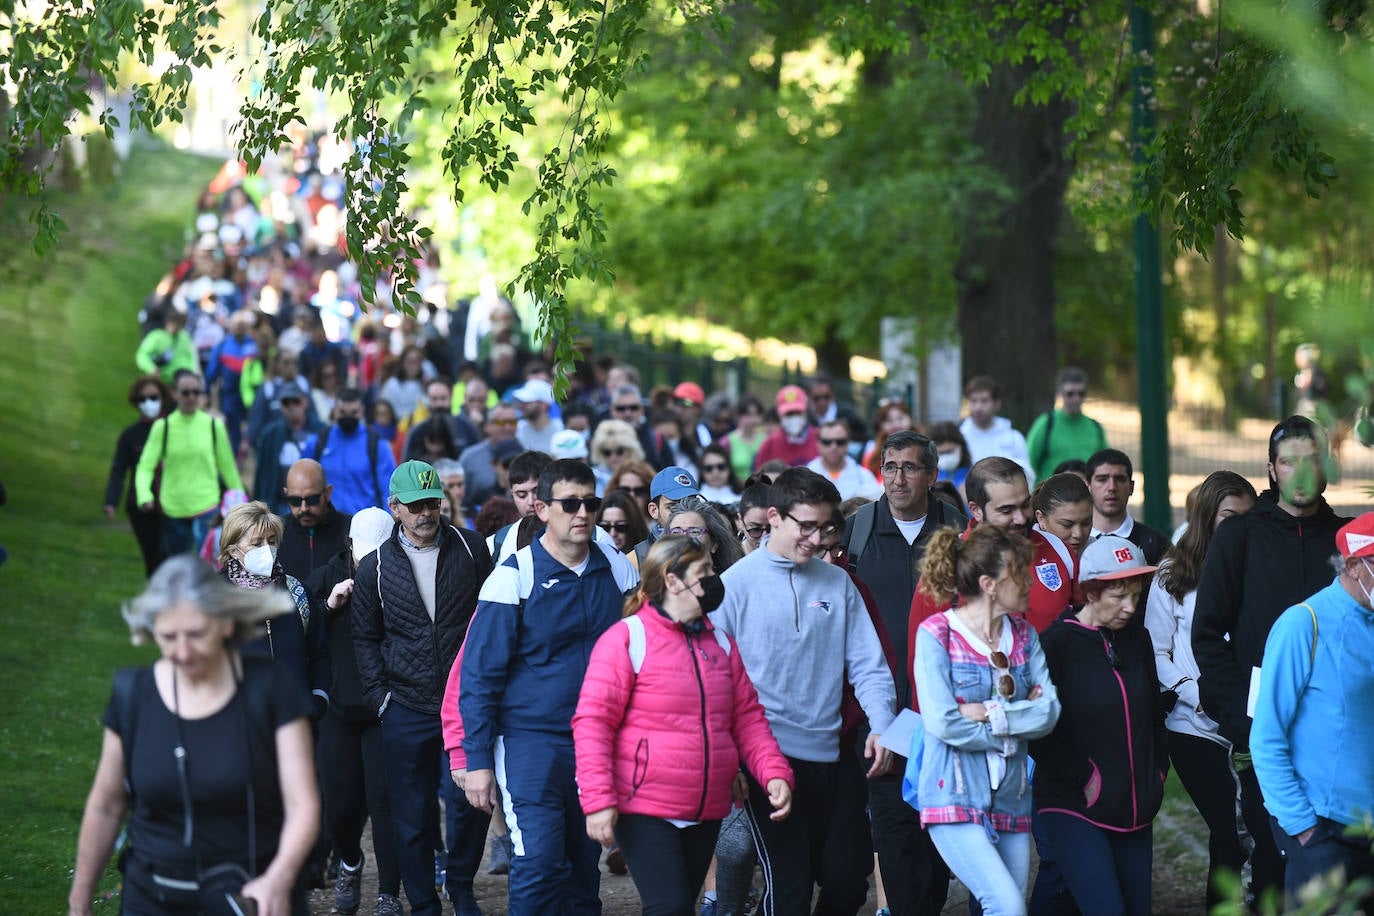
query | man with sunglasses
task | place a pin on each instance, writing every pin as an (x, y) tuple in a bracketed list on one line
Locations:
[(540, 613), (197, 466), (314, 531), (1258, 565), (802, 631), (413, 599), (834, 462), (1066, 433)]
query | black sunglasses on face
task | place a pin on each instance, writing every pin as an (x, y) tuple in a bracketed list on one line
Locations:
[(189, 392), (311, 500), (614, 526), (713, 468), (824, 441), (627, 408), (570, 504)]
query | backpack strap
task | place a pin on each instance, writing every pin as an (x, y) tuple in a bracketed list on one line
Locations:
[(863, 530), (372, 440), (1043, 451), (1312, 660), (125, 701), (524, 579), (637, 641), (322, 442)]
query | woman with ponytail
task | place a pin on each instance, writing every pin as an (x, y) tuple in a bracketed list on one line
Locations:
[(665, 715), (984, 691)]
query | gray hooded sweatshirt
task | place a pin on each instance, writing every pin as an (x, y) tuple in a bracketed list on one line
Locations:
[(799, 629)]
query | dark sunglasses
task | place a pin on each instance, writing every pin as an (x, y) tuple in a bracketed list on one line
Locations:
[(755, 531), (312, 500), (627, 408), (712, 468), (424, 505), (189, 392), (613, 526), (1006, 686), (570, 504), (291, 402), (613, 451), (825, 441), (641, 492)]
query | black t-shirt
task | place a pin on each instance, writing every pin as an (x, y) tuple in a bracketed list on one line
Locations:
[(218, 764)]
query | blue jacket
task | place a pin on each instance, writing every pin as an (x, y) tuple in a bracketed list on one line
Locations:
[(955, 784), (226, 363), (349, 470), (529, 643), (1314, 722)]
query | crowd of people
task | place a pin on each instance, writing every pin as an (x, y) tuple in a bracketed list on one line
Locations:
[(394, 578)]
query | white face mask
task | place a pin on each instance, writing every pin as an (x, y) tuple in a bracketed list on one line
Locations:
[(1368, 596), (794, 424), (150, 408), (260, 560), (949, 463)]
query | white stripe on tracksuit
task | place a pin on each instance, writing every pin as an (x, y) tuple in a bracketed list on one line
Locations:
[(517, 839)]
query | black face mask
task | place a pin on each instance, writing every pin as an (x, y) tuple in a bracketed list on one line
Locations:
[(349, 425), (712, 593)]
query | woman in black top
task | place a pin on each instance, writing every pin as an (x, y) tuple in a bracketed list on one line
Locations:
[(217, 755), (150, 396), (1099, 776)]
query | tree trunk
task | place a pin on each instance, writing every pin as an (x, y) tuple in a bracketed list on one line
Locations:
[(833, 352), (1005, 272)]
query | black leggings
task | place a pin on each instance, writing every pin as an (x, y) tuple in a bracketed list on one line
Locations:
[(668, 863), (1205, 769), (353, 784)]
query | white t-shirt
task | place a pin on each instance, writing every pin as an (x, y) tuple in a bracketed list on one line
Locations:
[(911, 530)]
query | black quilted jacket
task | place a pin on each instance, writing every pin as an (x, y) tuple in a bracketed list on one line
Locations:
[(403, 657)]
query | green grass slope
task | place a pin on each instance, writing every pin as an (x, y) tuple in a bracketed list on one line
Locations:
[(68, 330)]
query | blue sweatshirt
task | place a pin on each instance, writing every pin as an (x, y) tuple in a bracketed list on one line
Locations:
[(1314, 722), (530, 640), (350, 471), (802, 629)]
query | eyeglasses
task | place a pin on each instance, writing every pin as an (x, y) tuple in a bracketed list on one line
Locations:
[(1075, 392), (806, 528), (506, 422), (825, 441), (570, 504), (423, 505), (906, 469), (687, 402), (613, 526), (1001, 670), (627, 408), (754, 532), (150, 399), (694, 531), (189, 392), (834, 551), (311, 500), (613, 451), (714, 468)]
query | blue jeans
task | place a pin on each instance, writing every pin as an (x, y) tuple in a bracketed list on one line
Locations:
[(1108, 871), (1328, 848), (995, 874), (185, 535), (417, 771)]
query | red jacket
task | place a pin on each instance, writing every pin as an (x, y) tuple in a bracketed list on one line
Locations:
[(777, 446), (1053, 572), (667, 742)]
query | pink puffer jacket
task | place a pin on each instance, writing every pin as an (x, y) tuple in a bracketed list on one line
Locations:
[(667, 742)]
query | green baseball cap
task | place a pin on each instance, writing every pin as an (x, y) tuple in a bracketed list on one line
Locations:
[(414, 481)]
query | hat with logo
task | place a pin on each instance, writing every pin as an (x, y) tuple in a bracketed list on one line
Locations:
[(690, 391), (568, 443), (536, 389), (673, 482), (1356, 539), (1111, 557), (414, 481), (791, 399)]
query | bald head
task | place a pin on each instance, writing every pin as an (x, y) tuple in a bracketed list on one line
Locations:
[(307, 494)]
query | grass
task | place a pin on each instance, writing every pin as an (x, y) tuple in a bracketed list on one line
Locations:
[(68, 330)]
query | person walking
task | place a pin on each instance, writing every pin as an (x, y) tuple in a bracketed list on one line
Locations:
[(663, 662), (152, 399), (1065, 433), (985, 690)]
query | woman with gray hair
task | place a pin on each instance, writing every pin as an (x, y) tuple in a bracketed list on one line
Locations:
[(216, 754), (695, 517)]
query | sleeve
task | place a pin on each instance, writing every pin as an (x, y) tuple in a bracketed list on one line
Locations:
[(368, 630), (923, 607), (1222, 686), (601, 706), (224, 457), (119, 469), (450, 720), (316, 647), (143, 356), (1028, 718), (726, 617), (1101, 437), (147, 463), (1287, 669), (1035, 443), (491, 643), (865, 665), (212, 365), (754, 739), (1161, 622), (939, 707), (287, 701), (386, 465), (1057, 758)]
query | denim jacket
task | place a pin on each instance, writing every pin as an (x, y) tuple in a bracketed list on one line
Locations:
[(952, 667)]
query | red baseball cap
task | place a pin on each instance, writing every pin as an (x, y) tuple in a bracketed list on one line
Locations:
[(791, 399), (1356, 538), (690, 391)]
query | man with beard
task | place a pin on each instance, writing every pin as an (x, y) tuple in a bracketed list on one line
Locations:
[(315, 531), (353, 456), (412, 601), (1260, 564)]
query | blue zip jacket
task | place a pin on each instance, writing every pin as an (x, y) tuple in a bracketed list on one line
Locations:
[(1314, 722), (530, 641)]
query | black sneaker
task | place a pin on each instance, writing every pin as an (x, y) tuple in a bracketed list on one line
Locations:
[(389, 905), (348, 889)]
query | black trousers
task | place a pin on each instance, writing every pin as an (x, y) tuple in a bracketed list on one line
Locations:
[(1266, 865), (1204, 767), (353, 784), (148, 530), (825, 841), (915, 877), (668, 864)]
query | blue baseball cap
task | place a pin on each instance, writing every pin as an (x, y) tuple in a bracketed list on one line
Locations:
[(673, 482)]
